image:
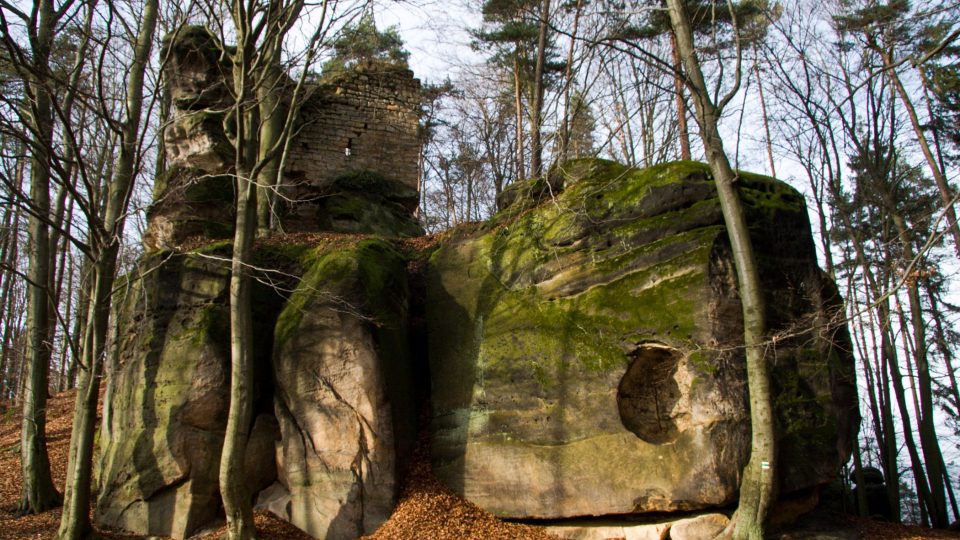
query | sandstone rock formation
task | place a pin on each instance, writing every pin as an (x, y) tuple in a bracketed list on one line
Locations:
[(344, 391), (352, 166), (584, 353), (581, 350)]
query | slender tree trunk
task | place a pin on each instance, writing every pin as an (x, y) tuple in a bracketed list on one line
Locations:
[(75, 521), (945, 350), (236, 499), (233, 489), (896, 379), (518, 107), (7, 290), (568, 86), (10, 319), (39, 493), (67, 350), (862, 509), (84, 294), (763, 114), (683, 130), (758, 486), (946, 194), (932, 454), (536, 112), (273, 113)]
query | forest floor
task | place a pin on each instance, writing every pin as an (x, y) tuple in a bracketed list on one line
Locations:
[(426, 511)]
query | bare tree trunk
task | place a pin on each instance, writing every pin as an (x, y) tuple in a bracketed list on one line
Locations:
[(758, 486), (8, 260), (896, 379), (684, 131), (84, 292), (862, 508), (946, 195), (236, 499), (273, 113), (75, 521), (763, 114), (933, 457), (67, 350), (39, 493), (536, 112), (568, 86), (518, 105), (953, 391)]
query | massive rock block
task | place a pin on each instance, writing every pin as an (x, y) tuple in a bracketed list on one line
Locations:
[(585, 353), (333, 406), (170, 393), (344, 391)]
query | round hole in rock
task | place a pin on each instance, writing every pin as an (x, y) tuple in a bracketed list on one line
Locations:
[(648, 393)]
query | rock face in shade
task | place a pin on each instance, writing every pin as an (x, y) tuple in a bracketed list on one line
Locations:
[(344, 391), (334, 416), (585, 353), (160, 449)]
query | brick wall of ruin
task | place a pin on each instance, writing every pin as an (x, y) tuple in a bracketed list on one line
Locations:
[(364, 121)]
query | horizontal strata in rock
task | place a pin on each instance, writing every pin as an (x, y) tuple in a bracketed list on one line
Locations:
[(584, 351)]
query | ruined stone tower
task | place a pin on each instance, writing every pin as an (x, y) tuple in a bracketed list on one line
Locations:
[(355, 148)]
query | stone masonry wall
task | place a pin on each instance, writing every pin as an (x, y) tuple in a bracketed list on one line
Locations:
[(364, 121)]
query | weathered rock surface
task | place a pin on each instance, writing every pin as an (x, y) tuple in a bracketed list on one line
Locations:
[(344, 391), (334, 406), (585, 356), (196, 69), (584, 350), (364, 203), (351, 166), (160, 462), (194, 197)]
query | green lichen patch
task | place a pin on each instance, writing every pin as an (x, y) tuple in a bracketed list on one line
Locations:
[(367, 203), (356, 278), (534, 319)]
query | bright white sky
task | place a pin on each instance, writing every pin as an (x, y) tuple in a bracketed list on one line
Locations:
[(435, 33)]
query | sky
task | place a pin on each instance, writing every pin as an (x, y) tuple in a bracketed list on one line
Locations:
[(435, 33)]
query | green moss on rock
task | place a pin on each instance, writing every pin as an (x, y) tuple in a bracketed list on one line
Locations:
[(534, 318)]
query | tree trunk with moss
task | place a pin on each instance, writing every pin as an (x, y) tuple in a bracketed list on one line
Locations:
[(758, 485)]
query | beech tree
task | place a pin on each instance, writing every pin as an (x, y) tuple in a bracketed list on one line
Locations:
[(33, 67), (106, 234), (259, 142), (758, 484)]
